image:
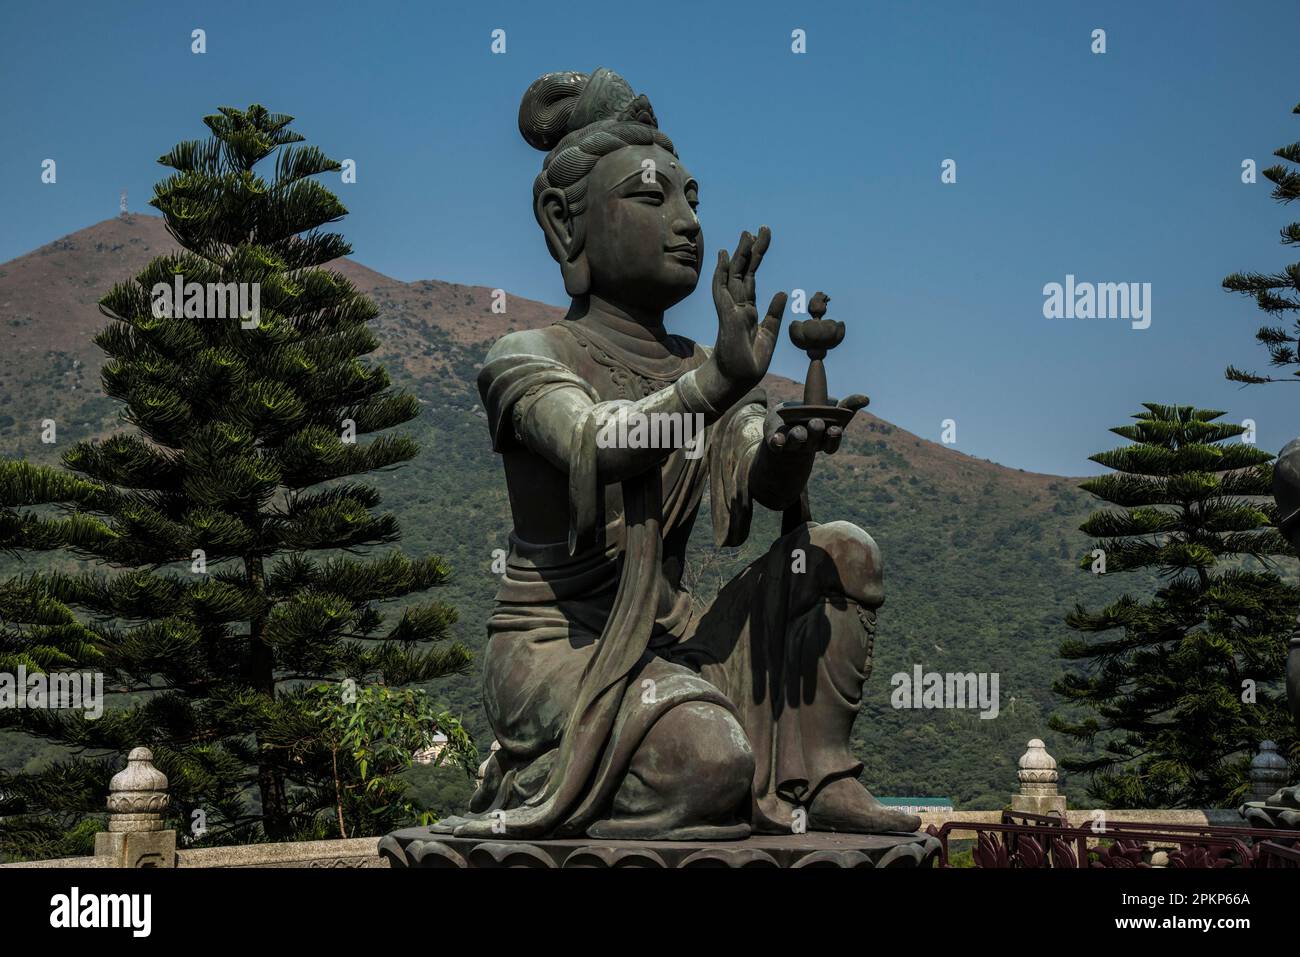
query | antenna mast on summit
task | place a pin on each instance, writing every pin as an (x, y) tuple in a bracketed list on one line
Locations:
[(121, 204)]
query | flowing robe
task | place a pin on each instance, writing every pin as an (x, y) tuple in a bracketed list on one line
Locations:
[(594, 639)]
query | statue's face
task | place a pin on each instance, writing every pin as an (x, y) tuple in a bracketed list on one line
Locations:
[(643, 240)]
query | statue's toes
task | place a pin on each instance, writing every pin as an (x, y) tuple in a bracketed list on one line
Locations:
[(447, 825), (862, 821), (899, 820), (845, 805), (473, 829)]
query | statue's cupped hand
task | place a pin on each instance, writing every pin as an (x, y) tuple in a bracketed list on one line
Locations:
[(744, 346)]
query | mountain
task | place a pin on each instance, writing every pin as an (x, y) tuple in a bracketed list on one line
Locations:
[(980, 559)]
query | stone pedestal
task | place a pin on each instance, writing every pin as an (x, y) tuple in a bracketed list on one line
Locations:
[(140, 849), (137, 798), (421, 847)]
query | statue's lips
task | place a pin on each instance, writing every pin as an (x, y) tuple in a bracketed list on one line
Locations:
[(685, 254)]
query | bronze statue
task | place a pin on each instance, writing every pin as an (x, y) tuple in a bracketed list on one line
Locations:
[(620, 712)]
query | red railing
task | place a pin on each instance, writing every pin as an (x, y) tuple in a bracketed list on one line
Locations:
[(1025, 840)]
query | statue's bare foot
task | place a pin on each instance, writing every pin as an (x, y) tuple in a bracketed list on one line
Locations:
[(845, 805)]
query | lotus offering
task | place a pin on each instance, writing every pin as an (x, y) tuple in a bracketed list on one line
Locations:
[(818, 336)]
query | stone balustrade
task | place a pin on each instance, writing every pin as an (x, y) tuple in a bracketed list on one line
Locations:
[(138, 799)]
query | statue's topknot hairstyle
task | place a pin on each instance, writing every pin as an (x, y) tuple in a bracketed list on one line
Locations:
[(578, 118)]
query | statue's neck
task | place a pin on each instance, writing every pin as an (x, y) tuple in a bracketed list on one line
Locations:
[(603, 316)]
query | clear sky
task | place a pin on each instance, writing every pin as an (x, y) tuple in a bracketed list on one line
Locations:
[(1115, 167)]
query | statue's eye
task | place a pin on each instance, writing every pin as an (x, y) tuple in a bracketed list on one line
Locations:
[(654, 197)]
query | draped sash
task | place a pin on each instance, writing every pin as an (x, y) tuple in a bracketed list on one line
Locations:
[(627, 632)]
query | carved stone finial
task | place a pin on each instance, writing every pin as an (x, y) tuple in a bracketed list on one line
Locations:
[(137, 795), (1038, 780), (1268, 771), (1037, 773)]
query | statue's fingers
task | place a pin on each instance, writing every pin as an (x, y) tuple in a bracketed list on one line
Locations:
[(761, 242), (816, 427), (816, 434), (834, 435), (720, 274), (776, 441), (740, 261), (756, 259), (769, 332), (854, 402), (796, 437)]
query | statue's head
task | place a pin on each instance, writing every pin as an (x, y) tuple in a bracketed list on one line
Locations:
[(615, 203)]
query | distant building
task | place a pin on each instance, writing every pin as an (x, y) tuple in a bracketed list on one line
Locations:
[(917, 805), (433, 752)]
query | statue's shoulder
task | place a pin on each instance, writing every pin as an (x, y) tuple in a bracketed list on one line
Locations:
[(545, 343), (519, 364), (527, 357)]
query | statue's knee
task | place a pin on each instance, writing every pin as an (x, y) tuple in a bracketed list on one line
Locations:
[(698, 753), (841, 561)]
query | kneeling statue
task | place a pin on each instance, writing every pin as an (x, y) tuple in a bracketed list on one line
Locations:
[(622, 712)]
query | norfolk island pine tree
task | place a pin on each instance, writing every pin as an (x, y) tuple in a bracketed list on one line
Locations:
[(235, 550), (1182, 686)]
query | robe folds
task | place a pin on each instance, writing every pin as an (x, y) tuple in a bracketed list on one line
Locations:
[(577, 672)]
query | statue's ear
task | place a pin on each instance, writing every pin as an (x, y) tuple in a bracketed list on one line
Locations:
[(565, 239)]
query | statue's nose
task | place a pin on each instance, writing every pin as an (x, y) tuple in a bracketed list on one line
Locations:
[(690, 228)]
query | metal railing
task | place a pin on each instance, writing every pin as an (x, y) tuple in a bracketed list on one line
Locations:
[(1023, 840)]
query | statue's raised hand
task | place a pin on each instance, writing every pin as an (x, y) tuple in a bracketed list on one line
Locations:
[(744, 345)]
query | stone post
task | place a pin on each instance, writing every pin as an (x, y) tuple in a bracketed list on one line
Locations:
[(137, 797), (1038, 779), (1268, 772)]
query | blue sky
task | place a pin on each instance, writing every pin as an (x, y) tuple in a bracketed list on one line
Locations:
[(1119, 167)]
